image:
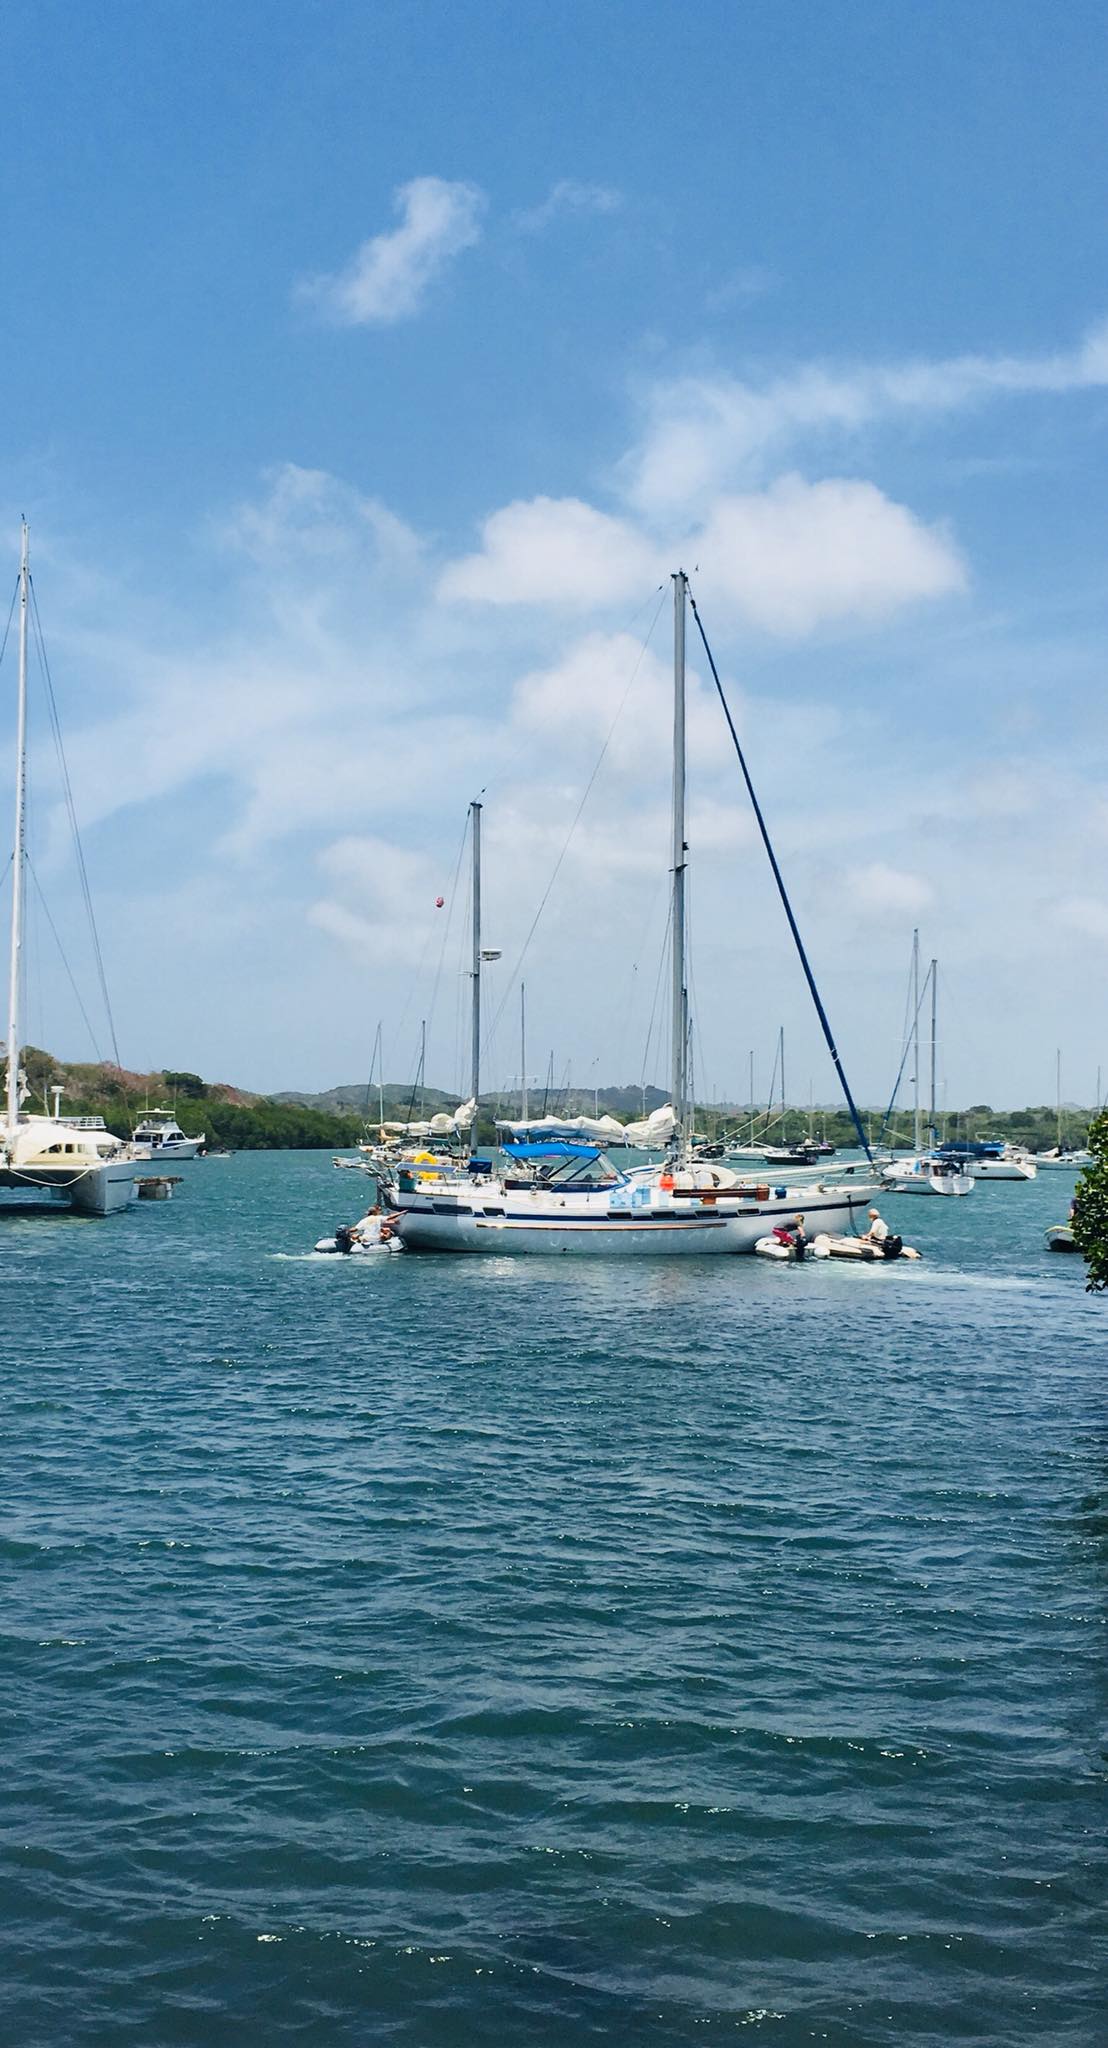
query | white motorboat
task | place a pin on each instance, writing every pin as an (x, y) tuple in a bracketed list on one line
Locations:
[(77, 1160), (925, 1175), (572, 1198), (1007, 1164), (159, 1136)]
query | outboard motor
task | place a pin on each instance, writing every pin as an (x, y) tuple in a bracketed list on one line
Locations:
[(892, 1246), (344, 1237)]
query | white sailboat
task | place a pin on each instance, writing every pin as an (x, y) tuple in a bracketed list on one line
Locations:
[(925, 1173), (78, 1161), (572, 1199), (1064, 1158)]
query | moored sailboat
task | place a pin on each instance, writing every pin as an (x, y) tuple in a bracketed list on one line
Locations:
[(580, 1202), (78, 1161), (933, 1172)]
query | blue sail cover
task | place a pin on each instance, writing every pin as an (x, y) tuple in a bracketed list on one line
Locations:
[(550, 1148)]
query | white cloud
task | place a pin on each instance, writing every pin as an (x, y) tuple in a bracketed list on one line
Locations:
[(569, 195), (788, 560), (881, 891), (702, 431), (382, 904), (556, 551), (1004, 792), (800, 555), (353, 679), (1085, 914), (607, 683), (388, 277), (304, 516)]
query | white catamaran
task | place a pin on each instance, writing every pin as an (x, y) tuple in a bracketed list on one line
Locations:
[(79, 1161), (571, 1197)]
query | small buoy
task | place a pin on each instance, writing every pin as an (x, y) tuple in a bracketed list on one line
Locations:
[(439, 901)]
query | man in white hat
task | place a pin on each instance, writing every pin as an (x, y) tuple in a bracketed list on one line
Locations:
[(878, 1229)]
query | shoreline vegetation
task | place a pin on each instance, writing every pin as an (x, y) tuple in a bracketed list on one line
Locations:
[(338, 1117)]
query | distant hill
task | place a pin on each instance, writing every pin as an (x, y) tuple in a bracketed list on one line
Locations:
[(361, 1099), (358, 1098), (337, 1117)]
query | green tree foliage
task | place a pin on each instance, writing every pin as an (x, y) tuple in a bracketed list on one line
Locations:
[(1090, 1215), (184, 1084)]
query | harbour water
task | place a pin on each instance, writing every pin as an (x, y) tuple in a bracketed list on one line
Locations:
[(442, 1652)]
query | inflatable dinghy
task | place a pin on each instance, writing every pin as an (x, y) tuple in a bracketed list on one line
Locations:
[(355, 1240), (825, 1247)]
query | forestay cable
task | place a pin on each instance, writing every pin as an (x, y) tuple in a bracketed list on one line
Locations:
[(783, 893)]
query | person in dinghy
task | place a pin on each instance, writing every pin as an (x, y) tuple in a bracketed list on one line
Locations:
[(881, 1237), (793, 1243), (375, 1232)]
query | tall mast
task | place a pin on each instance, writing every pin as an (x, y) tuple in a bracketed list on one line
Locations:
[(475, 1069), (784, 1104), (1058, 1092), (915, 1039), (680, 997), (18, 848), (380, 1051), (934, 1035), (522, 1053)]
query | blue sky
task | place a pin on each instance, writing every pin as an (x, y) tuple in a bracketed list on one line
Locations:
[(368, 369)]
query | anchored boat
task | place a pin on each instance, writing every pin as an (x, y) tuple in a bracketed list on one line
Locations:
[(160, 1136), (579, 1202), (75, 1159)]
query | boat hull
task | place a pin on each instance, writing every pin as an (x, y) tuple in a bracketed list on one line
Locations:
[(181, 1148), (1002, 1169), (101, 1190), (921, 1182), (708, 1230)]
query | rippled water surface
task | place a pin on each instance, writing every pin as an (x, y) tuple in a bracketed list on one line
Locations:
[(450, 1652)]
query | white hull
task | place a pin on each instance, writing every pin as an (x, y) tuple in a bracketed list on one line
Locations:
[(519, 1222), (101, 1190), (1002, 1169), (170, 1148), (913, 1178)]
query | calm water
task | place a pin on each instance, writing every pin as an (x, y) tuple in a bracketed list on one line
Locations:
[(430, 1652)]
